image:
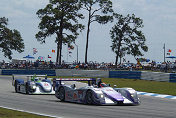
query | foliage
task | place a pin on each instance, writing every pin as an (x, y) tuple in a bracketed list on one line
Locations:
[(59, 17), (97, 12), (127, 37), (9, 39)]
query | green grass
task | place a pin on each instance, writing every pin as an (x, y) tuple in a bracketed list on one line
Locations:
[(5, 113), (143, 85)]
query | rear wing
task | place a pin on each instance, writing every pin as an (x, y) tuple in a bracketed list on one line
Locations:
[(25, 77), (74, 79), (59, 80)]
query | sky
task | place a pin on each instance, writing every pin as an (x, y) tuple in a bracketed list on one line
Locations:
[(159, 20)]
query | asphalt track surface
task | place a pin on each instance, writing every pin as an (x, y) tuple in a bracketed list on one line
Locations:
[(150, 107)]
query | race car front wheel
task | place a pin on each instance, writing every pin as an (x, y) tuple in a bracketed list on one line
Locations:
[(27, 88), (57, 93), (62, 94), (16, 87), (89, 98)]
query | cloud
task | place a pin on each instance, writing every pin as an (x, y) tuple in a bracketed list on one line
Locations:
[(20, 8), (31, 4), (159, 21), (158, 16)]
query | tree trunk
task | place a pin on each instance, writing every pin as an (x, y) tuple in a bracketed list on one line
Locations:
[(88, 30), (116, 60), (120, 60), (60, 56), (60, 38), (58, 52), (118, 51)]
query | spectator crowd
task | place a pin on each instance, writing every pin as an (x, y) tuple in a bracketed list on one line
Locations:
[(154, 66)]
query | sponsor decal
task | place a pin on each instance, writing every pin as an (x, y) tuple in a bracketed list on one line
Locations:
[(108, 90), (46, 84), (68, 95), (80, 94), (75, 96), (95, 89)]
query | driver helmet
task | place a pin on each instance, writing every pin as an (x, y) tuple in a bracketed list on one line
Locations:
[(36, 79), (98, 82)]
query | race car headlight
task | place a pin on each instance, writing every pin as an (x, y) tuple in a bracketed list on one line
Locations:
[(33, 87), (132, 95), (100, 96)]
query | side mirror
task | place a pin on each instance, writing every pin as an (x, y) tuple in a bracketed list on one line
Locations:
[(115, 86), (109, 85)]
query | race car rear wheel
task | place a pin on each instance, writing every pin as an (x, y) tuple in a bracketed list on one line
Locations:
[(89, 98), (57, 93), (62, 94)]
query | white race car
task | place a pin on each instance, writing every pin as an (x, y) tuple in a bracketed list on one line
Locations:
[(94, 92), (32, 84)]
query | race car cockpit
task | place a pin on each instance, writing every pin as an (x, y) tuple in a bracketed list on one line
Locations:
[(100, 84)]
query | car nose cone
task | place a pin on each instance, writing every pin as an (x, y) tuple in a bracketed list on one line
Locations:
[(112, 94), (46, 86)]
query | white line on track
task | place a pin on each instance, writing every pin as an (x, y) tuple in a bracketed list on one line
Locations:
[(40, 114)]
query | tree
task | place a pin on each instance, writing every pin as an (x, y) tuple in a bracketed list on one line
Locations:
[(59, 17), (127, 37), (9, 39), (97, 12)]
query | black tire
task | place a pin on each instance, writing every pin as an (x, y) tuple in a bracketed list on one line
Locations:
[(62, 94), (57, 93), (27, 88), (120, 103), (89, 97), (16, 88)]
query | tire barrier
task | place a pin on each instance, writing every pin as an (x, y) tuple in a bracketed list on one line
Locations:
[(125, 74), (172, 78)]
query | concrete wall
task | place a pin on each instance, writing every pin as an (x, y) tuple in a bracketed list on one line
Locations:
[(155, 76), (82, 73), (144, 75)]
